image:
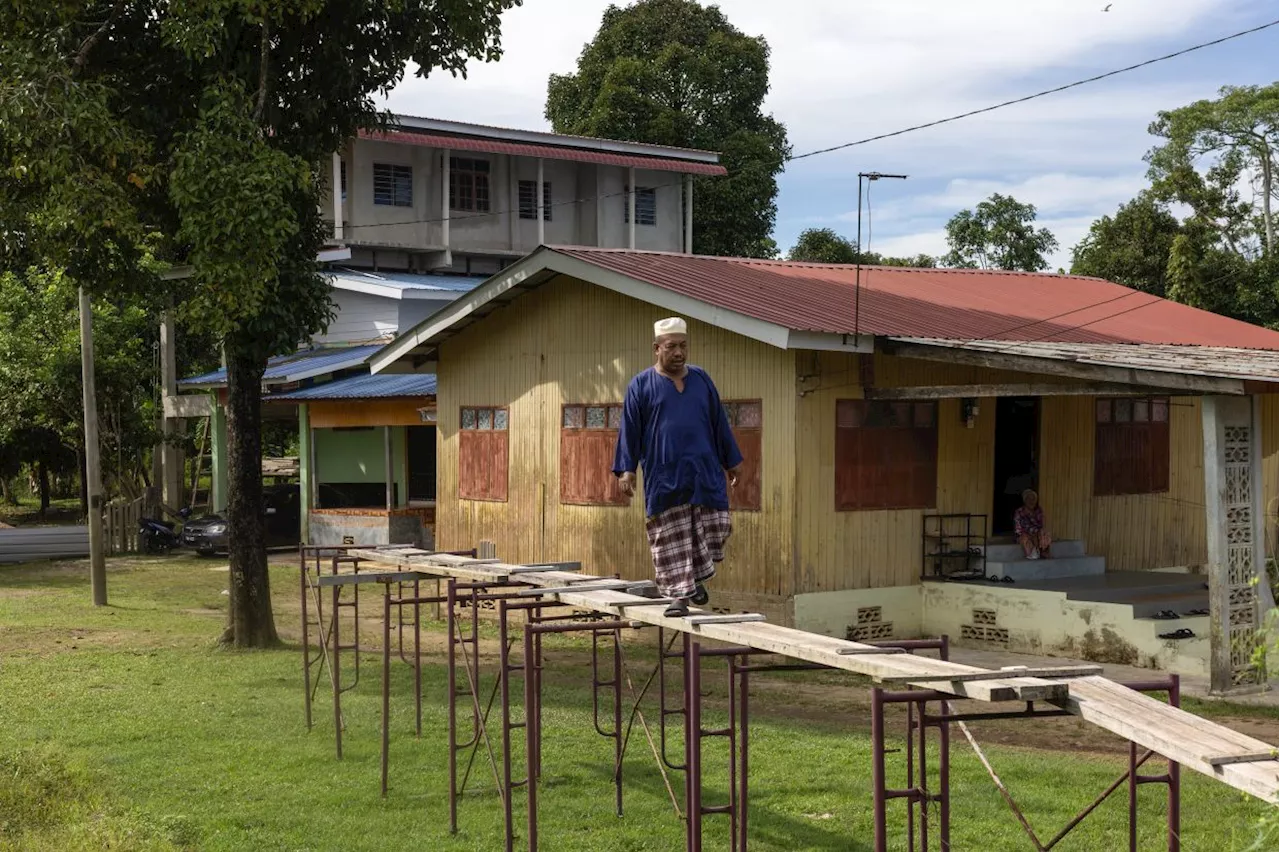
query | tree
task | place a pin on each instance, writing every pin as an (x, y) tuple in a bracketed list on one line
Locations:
[(199, 129), (824, 245), (1132, 248), (673, 72), (1213, 147), (998, 234)]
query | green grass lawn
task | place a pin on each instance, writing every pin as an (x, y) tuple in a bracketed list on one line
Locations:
[(27, 512), (127, 728)]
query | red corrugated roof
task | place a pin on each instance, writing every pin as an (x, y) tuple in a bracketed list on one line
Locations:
[(552, 152), (947, 303)]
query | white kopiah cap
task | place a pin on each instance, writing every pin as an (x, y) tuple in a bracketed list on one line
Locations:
[(671, 325)]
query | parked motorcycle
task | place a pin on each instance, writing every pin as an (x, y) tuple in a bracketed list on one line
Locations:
[(158, 537)]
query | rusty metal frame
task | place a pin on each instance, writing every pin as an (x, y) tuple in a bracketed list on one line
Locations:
[(521, 656), (920, 720)]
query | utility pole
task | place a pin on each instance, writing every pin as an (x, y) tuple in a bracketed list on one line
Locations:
[(92, 462), (857, 269)]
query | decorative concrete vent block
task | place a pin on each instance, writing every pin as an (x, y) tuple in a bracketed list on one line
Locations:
[(981, 633), (869, 626), (868, 614), (984, 616)]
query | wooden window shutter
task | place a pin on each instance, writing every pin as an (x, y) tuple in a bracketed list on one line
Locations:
[(483, 454), (746, 418), (886, 455), (588, 438), (1131, 446)]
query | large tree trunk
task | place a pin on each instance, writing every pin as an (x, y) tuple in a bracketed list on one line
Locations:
[(84, 482), (42, 472), (6, 493), (251, 624)]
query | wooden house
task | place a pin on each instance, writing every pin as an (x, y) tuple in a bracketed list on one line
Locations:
[(870, 402)]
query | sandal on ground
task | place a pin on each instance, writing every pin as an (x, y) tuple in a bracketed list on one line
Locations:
[(699, 596), (1006, 579), (676, 609), (1181, 633), (993, 578), (1165, 614), (1200, 611)]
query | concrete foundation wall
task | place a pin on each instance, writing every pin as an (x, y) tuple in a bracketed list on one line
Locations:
[(1047, 623), (853, 613), (335, 529)]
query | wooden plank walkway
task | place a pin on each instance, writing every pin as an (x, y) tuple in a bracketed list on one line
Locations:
[(1211, 749)]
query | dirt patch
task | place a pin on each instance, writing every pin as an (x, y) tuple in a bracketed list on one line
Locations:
[(1102, 646)]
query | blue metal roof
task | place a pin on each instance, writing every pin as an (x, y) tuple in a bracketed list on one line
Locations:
[(381, 386), (408, 280), (302, 364)]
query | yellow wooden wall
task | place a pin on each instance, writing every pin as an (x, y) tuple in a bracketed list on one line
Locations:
[(852, 550), (1135, 532), (569, 342), (871, 549), (1269, 411)]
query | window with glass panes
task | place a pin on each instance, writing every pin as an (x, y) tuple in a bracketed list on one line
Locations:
[(392, 185), (482, 453), (588, 440), (886, 454), (528, 191), (1131, 445), (746, 419), (468, 184)]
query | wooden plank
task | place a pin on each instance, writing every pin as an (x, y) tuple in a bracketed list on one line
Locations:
[(767, 637), (587, 586), (1013, 671), (1173, 733), (845, 652), (726, 618), (1227, 759), (371, 577)]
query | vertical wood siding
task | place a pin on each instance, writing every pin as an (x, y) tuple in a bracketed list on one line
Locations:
[(1135, 532), (569, 342), (872, 549), (1269, 409)]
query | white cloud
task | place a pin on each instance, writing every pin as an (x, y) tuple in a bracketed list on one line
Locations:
[(842, 70)]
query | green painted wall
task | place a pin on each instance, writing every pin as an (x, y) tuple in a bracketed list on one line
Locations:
[(359, 456), (304, 471), (218, 449)]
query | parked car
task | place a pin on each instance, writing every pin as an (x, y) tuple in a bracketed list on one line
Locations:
[(207, 535)]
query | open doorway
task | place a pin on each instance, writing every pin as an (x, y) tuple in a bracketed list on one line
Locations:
[(1016, 458)]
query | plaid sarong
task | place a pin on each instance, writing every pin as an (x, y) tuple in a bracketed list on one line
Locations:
[(686, 543)]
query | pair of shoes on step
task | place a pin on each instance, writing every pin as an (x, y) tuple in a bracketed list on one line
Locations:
[(679, 608)]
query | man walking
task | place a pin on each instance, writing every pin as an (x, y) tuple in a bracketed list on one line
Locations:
[(674, 427)]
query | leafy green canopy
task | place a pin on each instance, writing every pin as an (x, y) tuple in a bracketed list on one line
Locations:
[(998, 234), (824, 245), (674, 72)]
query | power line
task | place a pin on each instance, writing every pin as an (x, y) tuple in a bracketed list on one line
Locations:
[(844, 145), (1026, 98)]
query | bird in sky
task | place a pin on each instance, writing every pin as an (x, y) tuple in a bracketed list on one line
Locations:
[(1107, 8)]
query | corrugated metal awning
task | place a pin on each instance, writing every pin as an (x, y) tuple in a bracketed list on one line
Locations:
[(299, 365), (551, 152), (382, 386)]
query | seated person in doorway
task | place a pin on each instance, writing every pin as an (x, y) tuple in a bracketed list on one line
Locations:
[(1030, 528)]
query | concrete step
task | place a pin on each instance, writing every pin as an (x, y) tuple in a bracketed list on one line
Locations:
[(1185, 584), (1027, 570), (1179, 602), (1013, 552)]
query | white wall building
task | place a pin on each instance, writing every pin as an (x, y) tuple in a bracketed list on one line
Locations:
[(444, 196)]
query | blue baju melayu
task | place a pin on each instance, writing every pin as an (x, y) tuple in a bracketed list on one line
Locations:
[(683, 443)]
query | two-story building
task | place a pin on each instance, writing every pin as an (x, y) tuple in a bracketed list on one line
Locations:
[(432, 195), (424, 211)]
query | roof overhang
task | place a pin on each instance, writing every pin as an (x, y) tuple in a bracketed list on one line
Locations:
[(539, 137), (544, 264), (1187, 369), (670, 162), (387, 291)]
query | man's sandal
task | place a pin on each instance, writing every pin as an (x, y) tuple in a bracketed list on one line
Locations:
[(699, 596)]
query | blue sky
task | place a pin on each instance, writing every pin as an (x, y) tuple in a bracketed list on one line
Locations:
[(848, 69)]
